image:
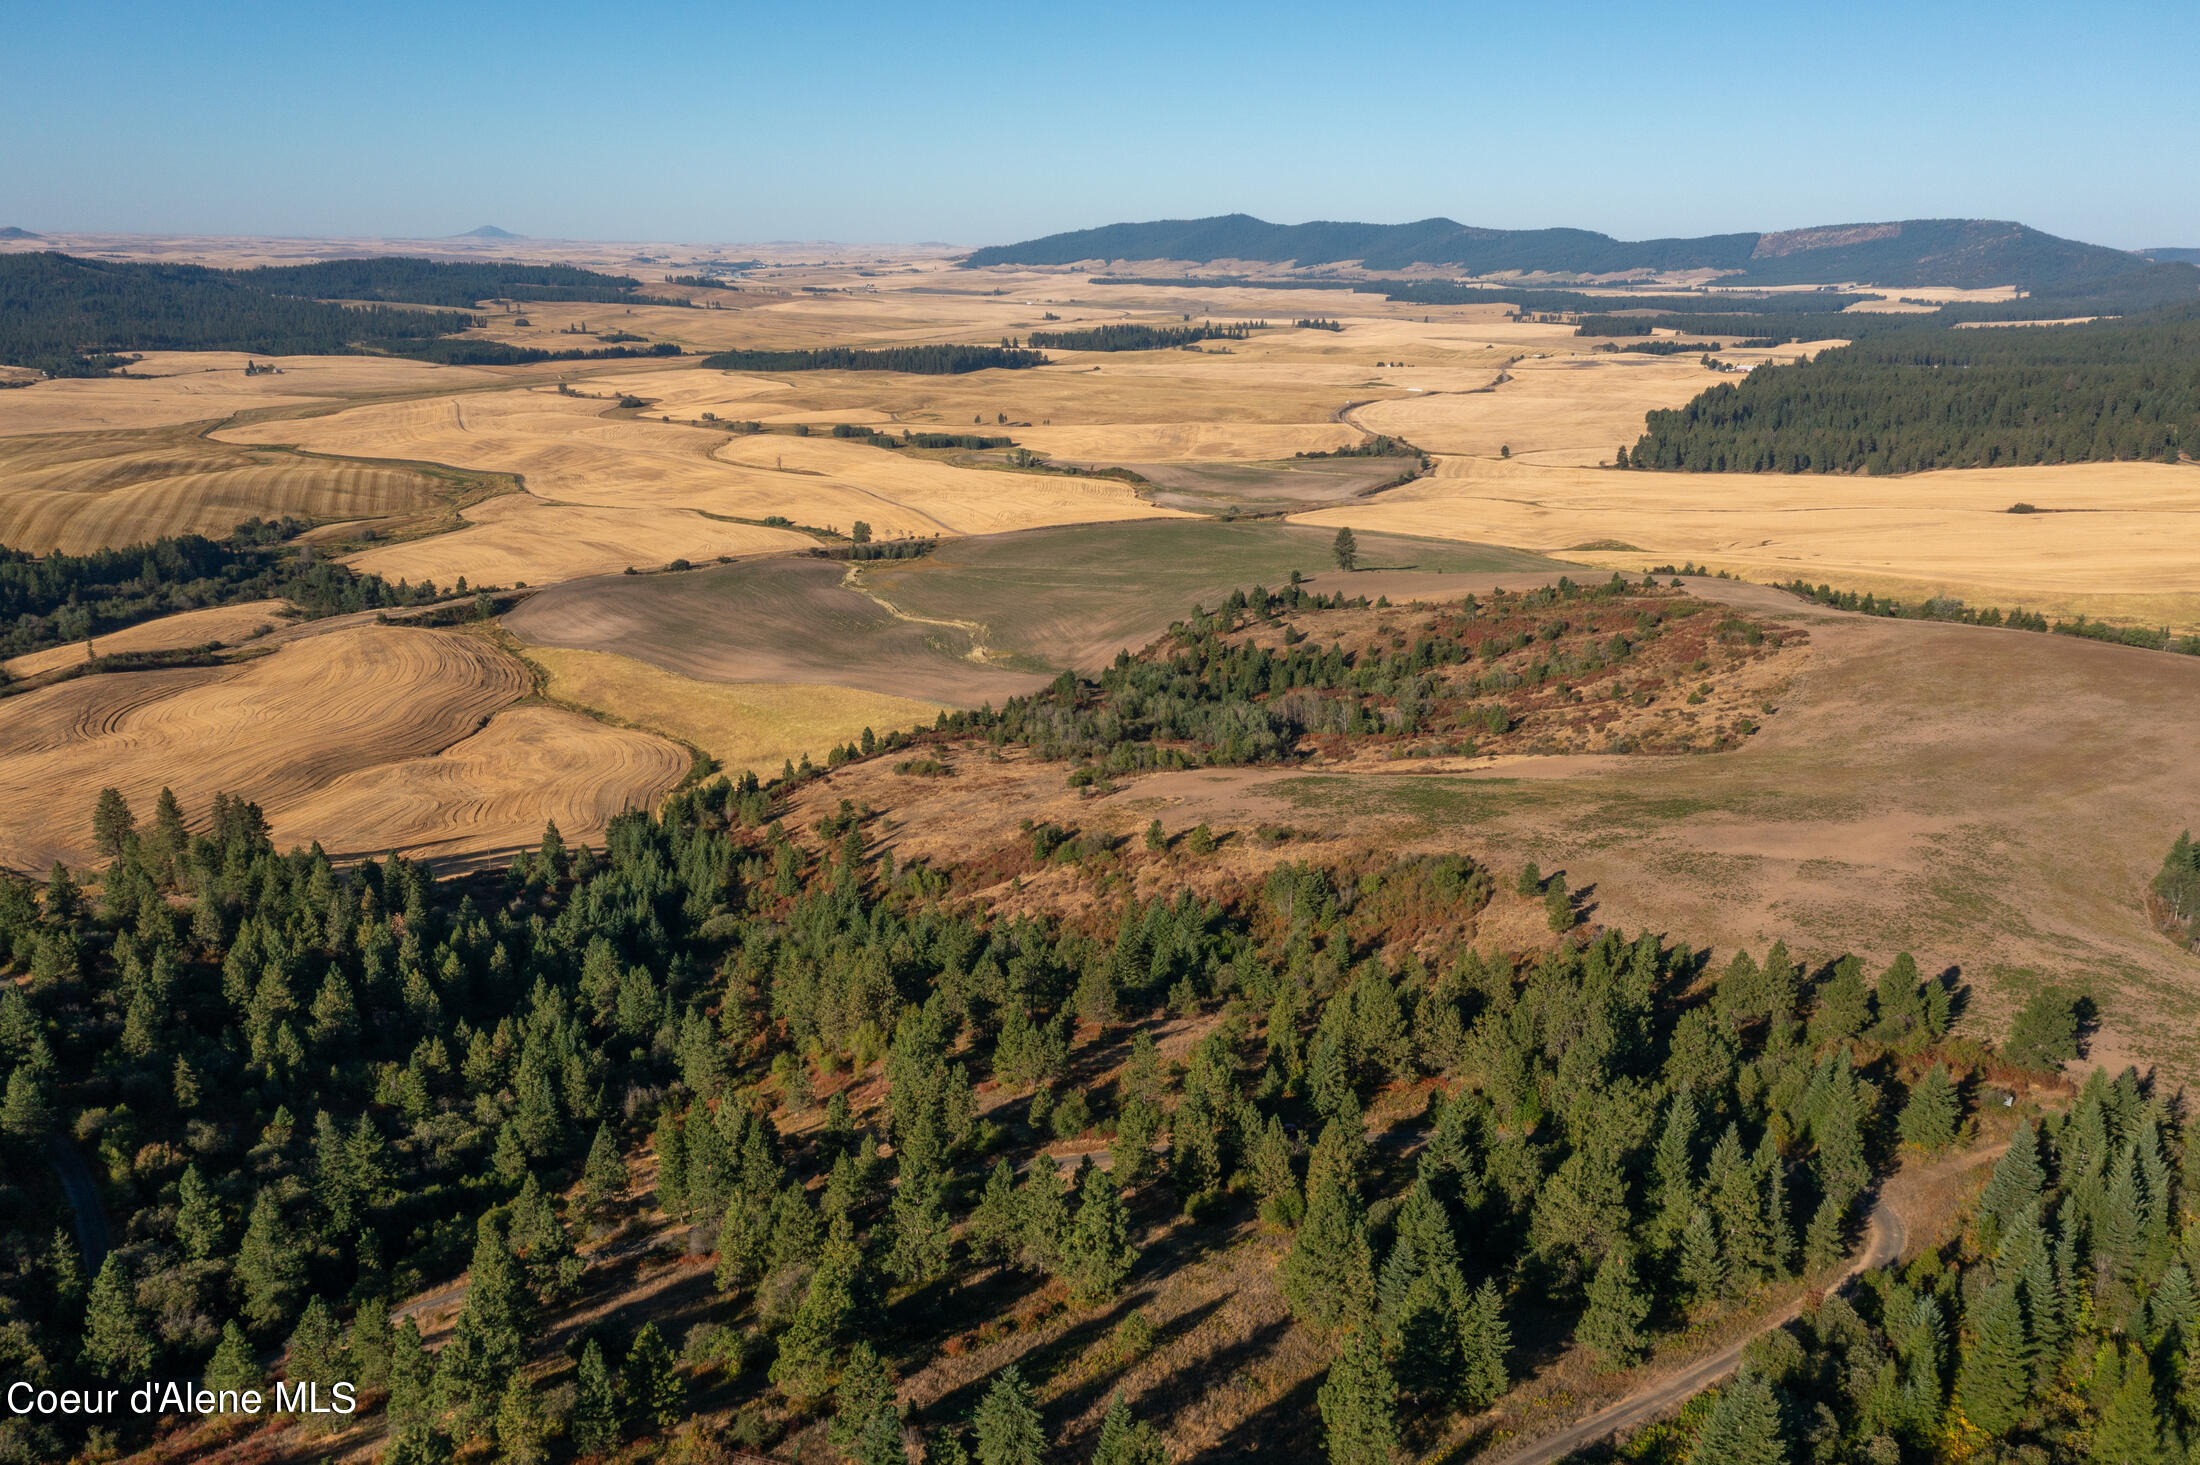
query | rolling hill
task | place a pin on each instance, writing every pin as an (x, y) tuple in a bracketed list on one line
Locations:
[(1967, 252)]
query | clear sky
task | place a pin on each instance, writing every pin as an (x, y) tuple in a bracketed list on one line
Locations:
[(981, 124)]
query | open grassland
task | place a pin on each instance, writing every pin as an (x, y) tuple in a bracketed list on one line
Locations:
[(336, 736), (224, 624), (979, 619), (790, 621), (168, 388), (1073, 597), (81, 491), (753, 726), (2121, 541)]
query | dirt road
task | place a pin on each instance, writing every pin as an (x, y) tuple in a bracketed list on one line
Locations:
[(1885, 1240)]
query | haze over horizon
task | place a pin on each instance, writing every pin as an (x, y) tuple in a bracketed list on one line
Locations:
[(1638, 122)]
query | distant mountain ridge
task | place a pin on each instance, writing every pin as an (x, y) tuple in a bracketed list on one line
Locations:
[(13, 232), (2173, 256), (1965, 252), (488, 231)]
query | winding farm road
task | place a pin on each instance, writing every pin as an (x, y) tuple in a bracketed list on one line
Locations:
[(1886, 1237)]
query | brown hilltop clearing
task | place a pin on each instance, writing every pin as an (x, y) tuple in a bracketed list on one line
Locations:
[(1989, 799)]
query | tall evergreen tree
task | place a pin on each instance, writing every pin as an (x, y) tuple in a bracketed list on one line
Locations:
[(1007, 1423), (595, 1423), (1743, 1427), (1994, 1378), (270, 1264), (1359, 1405), (118, 1343), (1611, 1328), (1929, 1120), (1127, 1440), (1097, 1253)]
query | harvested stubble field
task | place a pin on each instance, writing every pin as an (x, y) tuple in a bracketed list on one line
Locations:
[(2120, 539), (607, 488), (227, 625), (749, 726), (1561, 405), (82, 491), (365, 738), (169, 388)]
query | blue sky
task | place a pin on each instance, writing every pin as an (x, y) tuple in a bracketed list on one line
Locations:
[(979, 124)]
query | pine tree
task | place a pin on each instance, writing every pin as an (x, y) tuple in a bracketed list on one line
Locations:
[(1743, 1427), (655, 1392), (1359, 1404), (233, 1367), (112, 823), (520, 1428), (1007, 1423), (865, 1426), (487, 1344), (1280, 1202), (1929, 1120), (1345, 549), (994, 1231), (2130, 1427), (315, 1355), (1127, 1440), (1328, 1253), (1041, 1215), (595, 1422), (1995, 1376), (2016, 1185), (603, 1180), (1097, 1253), (1611, 1328), (1702, 1268), (270, 1264), (118, 1344), (539, 1238), (1484, 1340)]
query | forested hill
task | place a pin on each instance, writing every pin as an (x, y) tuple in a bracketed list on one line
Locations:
[(69, 316), (1967, 252)]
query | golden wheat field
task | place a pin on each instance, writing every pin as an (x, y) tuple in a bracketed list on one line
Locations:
[(478, 800), (81, 491), (293, 731), (166, 388), (2118, 538), (225, 624), (757, 726)]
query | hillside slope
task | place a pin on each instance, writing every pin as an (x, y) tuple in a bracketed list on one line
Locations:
[(1967, 252)]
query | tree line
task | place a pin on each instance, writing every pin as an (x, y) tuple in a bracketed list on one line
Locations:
[(1912, 399), (70, 317), (1952, 608), (1124, 336), (937, 360), (46, 600)]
